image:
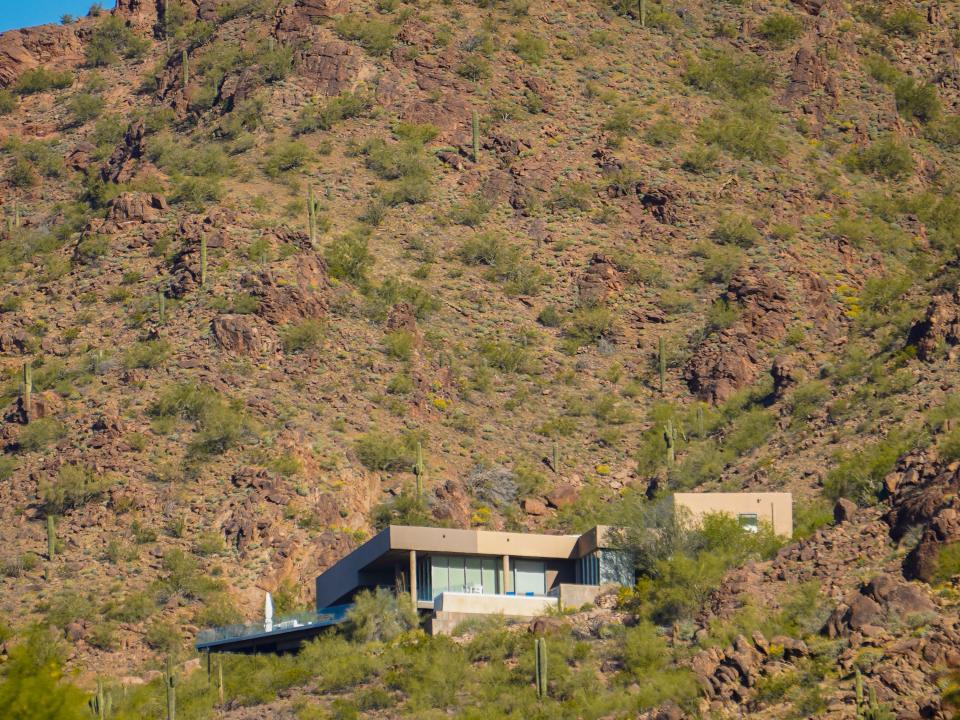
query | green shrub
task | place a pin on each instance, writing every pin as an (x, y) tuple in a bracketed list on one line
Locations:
[(587, 326), (747, 131), (948, 563), (858, 475), (750, 431), (348, 257), (302, 335), (809, 515), (905, 22), (665, 133), (735, 229), (622, 120), (380, 616), (474, 67), (40, 80), (945, 132), (530, 47), (719, 262), (571, 195), (382, 451), (40, 433), (916, 99), (73, 487), (21, 174), (147, 354), (285, 156), (647, 657), (343, 107), (808, 399), (399, 344), (375, 36), (8, 102), (135, 607), (700, 159), (111, 39), (886, 158), (729, 74), (220, 424), (780, 29), (84, 107), (507, 356)]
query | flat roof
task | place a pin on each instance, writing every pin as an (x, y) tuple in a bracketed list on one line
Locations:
[(393, 544)]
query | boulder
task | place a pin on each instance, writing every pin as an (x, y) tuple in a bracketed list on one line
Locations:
[(939, 327), (534, 506), (600, 280), (244, 335), (563, 496), (332, 67), (43, 45), (135, 207), (844, 511), (322, 8), (121, 165)]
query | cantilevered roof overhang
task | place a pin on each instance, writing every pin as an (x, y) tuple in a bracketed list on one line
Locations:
[(393, 544)]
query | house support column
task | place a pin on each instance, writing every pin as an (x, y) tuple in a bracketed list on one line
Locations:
[(506, 575), (413, 578)]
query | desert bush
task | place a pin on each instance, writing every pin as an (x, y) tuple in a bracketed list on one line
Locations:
[(729, 74), (665, 133), (948, 563), (343, 107), (40, 433), (809, 516), (40, 79), (587, 326), (84, 107), (719, 262), (916, 99), (8, 102), (399, 344), (135, 607), (858, 474), (749, 130), (285, 156), (301, 336), (886, 158), (507, 356), (147, 354), (375, 36), (470, 212), (648, 658), (750, 430), (736, 229), (622, 120), (112, 39), (383, 451), (407, 508), (184, 577), (903, 21), (571, 195), (220, 424), (474, 67), (349, 258), (530, 47), (945, 132), (780, 29), (73, 487), (380, 616), (808, 399)]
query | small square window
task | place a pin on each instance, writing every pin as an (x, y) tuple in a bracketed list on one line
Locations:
[(749, 522)]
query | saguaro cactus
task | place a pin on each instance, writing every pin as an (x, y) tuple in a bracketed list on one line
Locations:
[(670, 438), (312, 216), (419, 469), (701, 429), (662, 361), (185, 62), (101, 704), (476, 136), (203, 261), (555, 457), (51, 537), (27, 389), (540, 665), (161, 307), (170, 683)]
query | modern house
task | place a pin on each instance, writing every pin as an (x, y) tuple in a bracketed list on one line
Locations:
[(453, 575), (458, 573)]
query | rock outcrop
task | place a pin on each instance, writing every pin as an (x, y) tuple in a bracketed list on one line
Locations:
[(44, 45)]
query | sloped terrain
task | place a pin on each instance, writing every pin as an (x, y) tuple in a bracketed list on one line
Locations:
[(256, 255)]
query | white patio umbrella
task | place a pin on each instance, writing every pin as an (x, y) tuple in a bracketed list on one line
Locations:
[(268, 613)]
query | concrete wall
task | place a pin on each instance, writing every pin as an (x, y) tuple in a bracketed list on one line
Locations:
[(509, 605), (481, 542), (576, 596), (774, 508)]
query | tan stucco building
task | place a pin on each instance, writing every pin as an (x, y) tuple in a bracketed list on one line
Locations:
[(750, 508)]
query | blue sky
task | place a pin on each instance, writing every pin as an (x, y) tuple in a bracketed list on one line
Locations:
[(22, 13)]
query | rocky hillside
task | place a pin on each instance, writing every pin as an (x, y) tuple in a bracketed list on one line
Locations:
[(276, 273)]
